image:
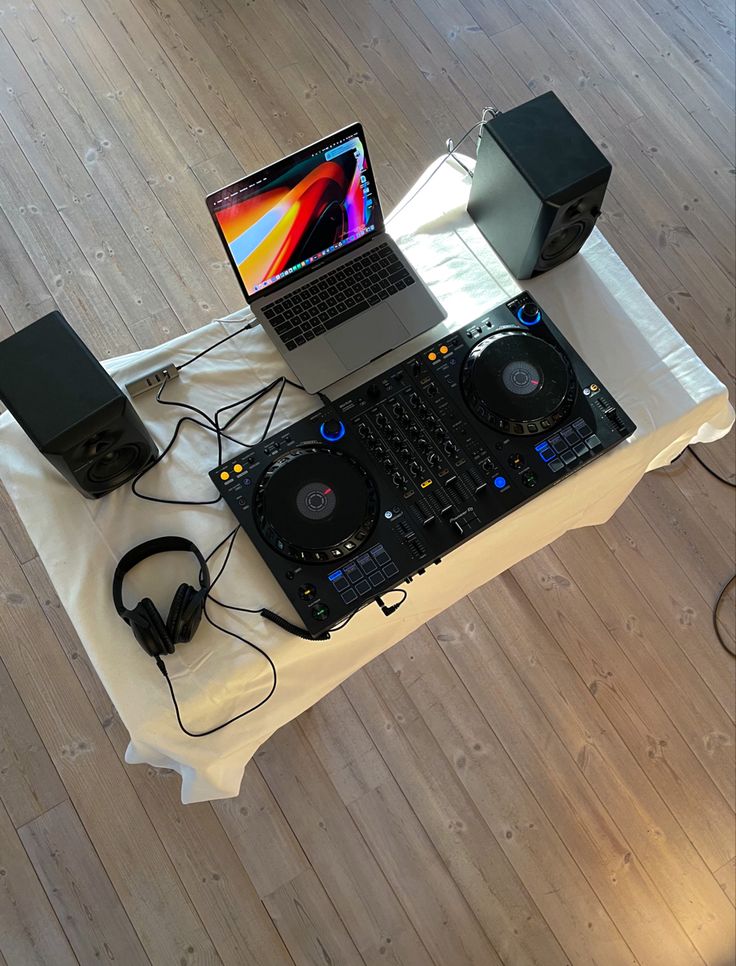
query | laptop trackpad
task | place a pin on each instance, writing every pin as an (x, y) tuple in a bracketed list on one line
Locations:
[(368, 335)]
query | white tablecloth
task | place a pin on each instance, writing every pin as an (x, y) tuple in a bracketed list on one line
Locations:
[(673, 398)]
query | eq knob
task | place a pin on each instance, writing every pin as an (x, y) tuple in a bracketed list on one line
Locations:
[(431, 421), (381, 420), (414, 468), (397, 409), (434, 460), (388, 465), (450, 448), (397, 479), (421, 443), (414, 399), (363, 430), (405, 452), (529, 313)]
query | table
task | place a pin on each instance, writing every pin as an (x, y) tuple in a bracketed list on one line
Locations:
[(673, 398)]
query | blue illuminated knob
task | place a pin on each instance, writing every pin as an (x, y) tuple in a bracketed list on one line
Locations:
[(499, 482), (529, 313), (332, 430)]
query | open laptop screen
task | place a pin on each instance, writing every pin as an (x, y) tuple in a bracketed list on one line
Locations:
[(280, 221)]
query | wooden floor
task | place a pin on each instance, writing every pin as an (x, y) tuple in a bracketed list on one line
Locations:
[(545, 773)]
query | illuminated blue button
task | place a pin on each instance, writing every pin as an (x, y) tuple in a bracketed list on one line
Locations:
[(332, 430), (532, 321), (499, 482), (335, 575)]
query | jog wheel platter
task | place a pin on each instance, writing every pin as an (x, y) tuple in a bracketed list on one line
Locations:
[(518, 383), (315, 504)]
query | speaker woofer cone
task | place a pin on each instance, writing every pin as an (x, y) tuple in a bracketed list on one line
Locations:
[(115, 463), (559, 245)]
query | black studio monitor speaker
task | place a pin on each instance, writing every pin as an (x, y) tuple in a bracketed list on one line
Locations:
[(70, 407), (538, 185)]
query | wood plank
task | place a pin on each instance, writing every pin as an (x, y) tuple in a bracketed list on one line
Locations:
[(422, 883), (416, 871), (15, 533), (576, 915), (668, 856), (29, 783), (225, 102), (40, 582), (109, 164), (80, 892), (261, 835), (208, 866), (299, 915), (55, 254), (655, 657), (668, 510), (291, 892), (137, 50), (629, 702), (24, 296), (726, 877), (98, 786), (574, 61), (424, 107), (648, 64), (224, 896), (93, 226), (644, 555), (711, 498), (29, 930), (156, 149), (478, 863), (496, 75), (336, 851), (603, 853), (703, 49)]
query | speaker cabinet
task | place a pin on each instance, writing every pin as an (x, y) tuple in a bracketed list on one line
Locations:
[(71, 409), (538, 185)]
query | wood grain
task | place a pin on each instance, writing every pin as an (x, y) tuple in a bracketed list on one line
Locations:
[(29, 929), (82, 895), (29, 783)]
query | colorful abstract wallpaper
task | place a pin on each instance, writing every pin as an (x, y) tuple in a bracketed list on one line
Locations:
[(316, 205)]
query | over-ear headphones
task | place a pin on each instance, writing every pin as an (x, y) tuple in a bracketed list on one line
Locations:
[(156, 636)]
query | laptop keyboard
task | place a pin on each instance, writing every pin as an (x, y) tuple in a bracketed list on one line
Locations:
[(338, 295)]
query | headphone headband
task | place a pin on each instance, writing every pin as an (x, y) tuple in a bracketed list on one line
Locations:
[(149, 549)]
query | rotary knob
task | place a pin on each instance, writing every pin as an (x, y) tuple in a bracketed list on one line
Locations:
[(529, 313), (332, 430)]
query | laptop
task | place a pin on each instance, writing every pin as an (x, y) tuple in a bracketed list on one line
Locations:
[(306, 239)]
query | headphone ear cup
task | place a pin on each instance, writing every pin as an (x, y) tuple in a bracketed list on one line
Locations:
[(180, 625), (150, 630)]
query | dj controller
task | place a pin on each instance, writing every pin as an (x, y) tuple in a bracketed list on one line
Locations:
[(364, 495)]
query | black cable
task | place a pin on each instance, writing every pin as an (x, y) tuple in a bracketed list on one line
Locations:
[(719, 600), (214, 345), (721, 479), (162, 667), (716, 628), (450, 154)]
